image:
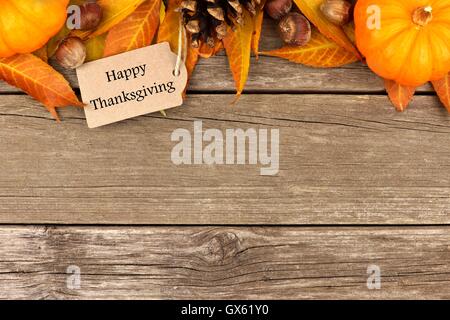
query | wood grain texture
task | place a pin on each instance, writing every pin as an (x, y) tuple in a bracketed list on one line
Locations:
[(274, 75), (347, 159), (224, 263)]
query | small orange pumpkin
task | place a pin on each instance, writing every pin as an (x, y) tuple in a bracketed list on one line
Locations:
[(27, 25), (407, 41)]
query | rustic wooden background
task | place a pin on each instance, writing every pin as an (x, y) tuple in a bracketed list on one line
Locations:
[(359, 185)]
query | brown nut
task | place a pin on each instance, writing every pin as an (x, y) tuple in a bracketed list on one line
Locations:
[(336, 11), (91, 15), (295, 29), (71, 53), (277, 9)]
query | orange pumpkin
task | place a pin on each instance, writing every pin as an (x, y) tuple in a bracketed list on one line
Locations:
[(27, 25), (405, 40)]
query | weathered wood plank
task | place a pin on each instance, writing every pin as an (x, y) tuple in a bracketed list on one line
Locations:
[(343, 160), (275, 75), (224, 263)]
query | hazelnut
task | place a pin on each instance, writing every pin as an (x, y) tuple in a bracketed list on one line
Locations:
[(91, 15), (295, 29), (336, 11), (71, 53), (277, 9)]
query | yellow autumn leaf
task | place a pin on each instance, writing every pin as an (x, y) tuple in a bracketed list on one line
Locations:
[(237, 45), (114, 11), (95, 47), (136, 31), (258, 23)]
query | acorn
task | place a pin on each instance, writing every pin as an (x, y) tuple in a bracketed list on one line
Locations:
[(71, 53), (91, 15), (337, 12), (277, 9), (295, 29)]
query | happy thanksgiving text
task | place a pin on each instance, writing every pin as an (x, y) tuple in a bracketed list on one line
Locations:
[(138, 95)]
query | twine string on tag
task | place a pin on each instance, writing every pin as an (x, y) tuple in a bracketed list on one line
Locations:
[(182, 48)]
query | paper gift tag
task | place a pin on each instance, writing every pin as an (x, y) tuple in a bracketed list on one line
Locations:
[(131, 84)]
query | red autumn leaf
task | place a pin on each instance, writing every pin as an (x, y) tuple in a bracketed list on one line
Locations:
[(136, 31), (442, 88), (39, 80), (400, 95)]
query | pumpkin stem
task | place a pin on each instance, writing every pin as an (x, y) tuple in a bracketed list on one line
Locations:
[(422, 16)]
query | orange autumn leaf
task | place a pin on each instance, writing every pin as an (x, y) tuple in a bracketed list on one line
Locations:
[(136, 31), (319, 52), (257, 28), (114, 11), (169, 32), (39, 80), (170, 26), (442, 88), (311, 9), (237, 45), (400, 95), (206, 51)]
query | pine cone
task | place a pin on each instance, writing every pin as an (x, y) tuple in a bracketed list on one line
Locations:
[(207, 20)]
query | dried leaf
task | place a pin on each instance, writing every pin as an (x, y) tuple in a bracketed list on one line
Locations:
[(319, 52), (442, 88), (400, 95), (257, 28), (237, 45), (136, 31), (311, 9), (114, 11), (39, 80), (95, 48)]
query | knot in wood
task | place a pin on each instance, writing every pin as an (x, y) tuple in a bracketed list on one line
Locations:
[(222, 248)]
